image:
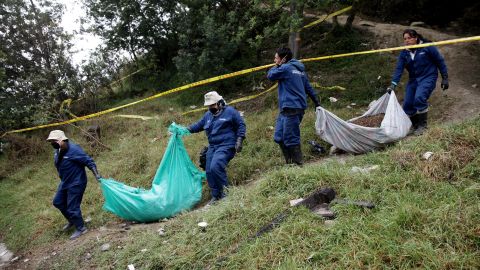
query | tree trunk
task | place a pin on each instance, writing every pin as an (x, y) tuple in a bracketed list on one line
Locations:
[(351, 16), (296, 11)]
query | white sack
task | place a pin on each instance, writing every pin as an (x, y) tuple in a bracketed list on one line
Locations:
[(359, 139)]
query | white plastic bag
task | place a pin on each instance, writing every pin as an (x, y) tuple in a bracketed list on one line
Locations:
[(359, 139)]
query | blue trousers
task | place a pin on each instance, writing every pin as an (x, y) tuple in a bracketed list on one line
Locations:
[(417, 95), (68, 201), (217, 161), (287, 128)]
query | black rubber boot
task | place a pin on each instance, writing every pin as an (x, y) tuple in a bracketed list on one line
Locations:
[(297, 156), (286, 153), (414, 124), (421, 124)]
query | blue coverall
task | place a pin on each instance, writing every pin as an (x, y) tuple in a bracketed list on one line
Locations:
[(70, 164), (293, 88), (423, 74), (222, 131)]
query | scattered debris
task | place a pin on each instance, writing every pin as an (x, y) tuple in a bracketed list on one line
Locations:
[(54, 253), (170, 109), (370, 121), (356, 169), (26, 260), (88, 256), (144, 250), (271, 127), (15, 259), (88, 219), (105, 247), (353, 104), (294, 202), (131, 267), (317, 148), (349, 107), (161, 231), (193, 107), (379, 77), (363, 204), (242, 113), (427, 155), (474, 85), (5, 254), (323, 210), (203, 226), (332, 99)]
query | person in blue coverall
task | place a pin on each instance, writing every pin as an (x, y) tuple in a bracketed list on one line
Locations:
[(423, 65), (70, 161), (225, 130), (293, 88)]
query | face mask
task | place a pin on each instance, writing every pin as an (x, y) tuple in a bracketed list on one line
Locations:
[(55, 145), (213, 110)]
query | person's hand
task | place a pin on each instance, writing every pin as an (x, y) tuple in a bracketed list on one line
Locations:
[(96, 174), (444, 83), (391, 88), (317, 106), (239, 145)]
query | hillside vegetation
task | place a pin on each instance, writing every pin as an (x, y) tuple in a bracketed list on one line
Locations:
[(426, 215)]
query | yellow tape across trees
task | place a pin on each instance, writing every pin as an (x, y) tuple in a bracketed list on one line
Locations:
[(326, 17), (242, 72), (236, 100)]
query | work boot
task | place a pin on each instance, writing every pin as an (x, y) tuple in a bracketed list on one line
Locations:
[(414, 119), (286, 153), (78, 233), (67, 227), (296, 154), (421, 124), (212, 201)]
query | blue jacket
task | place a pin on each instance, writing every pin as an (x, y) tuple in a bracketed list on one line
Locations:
[(293, 85), (71, 166), (424, 65), (222, 129)]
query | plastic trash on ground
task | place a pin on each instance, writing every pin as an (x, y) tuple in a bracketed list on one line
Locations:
[(177, 186)]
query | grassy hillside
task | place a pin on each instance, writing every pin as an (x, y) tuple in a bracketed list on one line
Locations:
[(427, 214)]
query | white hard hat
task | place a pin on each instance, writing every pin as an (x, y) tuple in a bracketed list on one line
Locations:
[(212, 98), (57, 135)]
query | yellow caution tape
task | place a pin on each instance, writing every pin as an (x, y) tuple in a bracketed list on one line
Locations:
[(445, 42), (335, 87), (123, 78), (242, 72), (237, 100), (326, 17), (65, 104), (132, 116)]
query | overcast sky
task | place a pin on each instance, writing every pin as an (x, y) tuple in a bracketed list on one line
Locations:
[(85, 43)]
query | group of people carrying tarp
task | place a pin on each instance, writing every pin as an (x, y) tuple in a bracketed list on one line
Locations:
[(226, 129)]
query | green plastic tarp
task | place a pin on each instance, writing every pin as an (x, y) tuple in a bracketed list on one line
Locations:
[(176, 187)]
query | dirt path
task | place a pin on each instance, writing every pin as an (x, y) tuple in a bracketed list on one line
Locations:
[(461, 101)]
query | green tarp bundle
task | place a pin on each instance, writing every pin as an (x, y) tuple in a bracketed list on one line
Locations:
[(177, 186)]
